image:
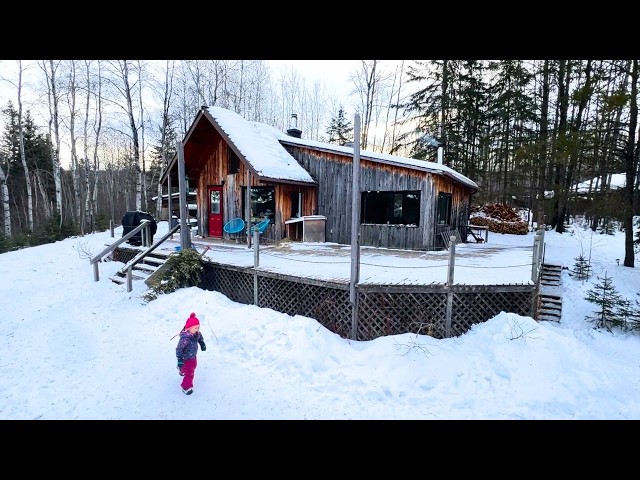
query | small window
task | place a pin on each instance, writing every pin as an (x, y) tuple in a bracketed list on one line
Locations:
[(444, 209), (390, 208), (233, 162)]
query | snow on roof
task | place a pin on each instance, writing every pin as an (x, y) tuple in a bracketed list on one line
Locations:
[(413, 163), (270, 159), (256, 143)]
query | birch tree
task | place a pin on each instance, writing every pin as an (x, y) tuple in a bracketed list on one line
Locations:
[(75, 166), (4, 192), (96, 143), (23, 157), (164, 128), (125, 86), (49, 68)]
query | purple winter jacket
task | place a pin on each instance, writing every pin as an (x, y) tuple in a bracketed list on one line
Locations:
[(188, 345)]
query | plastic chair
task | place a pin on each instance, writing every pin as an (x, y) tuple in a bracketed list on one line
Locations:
[(234, 227), (261, 226)]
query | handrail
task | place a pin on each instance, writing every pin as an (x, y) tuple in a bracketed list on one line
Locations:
[(131, 263), (129, 266), (94, 261)]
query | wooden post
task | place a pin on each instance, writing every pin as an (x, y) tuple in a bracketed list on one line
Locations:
[(256, 264), (247, 209), (355, 228), (129, 279), (452, 261), (111, 228), (185, 232)]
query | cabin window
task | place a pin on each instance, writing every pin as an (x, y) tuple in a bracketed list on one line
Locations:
[(444, 209), (233, 164), (263, 203), (391, 208)]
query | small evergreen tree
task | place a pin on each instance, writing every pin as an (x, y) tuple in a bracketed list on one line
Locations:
[(581, 268), (340, 130), (633, 321), (625, 311), (181, 270), (608, 226), (606, 296)]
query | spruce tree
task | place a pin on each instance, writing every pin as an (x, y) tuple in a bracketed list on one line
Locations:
[(605, 295), (581, 268), (633, 320), (340, 130)]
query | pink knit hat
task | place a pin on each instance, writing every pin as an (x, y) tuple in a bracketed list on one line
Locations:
[(191, 321)]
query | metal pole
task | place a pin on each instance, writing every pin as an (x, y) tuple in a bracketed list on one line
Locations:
[(185, 234), (355, 227)]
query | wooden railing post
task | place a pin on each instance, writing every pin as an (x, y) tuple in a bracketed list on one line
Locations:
[(452, 261)]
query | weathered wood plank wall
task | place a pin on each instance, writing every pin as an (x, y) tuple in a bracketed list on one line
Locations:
[(333, 172)]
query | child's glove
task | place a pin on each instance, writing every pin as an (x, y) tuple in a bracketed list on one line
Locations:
[(179, 367), (203, 347)]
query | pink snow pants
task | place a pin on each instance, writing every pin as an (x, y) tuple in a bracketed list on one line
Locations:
[(189, 370)]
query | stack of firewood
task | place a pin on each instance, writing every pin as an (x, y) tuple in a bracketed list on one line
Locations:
[(499, 218)]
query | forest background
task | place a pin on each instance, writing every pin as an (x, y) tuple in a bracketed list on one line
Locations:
[(88, 140)]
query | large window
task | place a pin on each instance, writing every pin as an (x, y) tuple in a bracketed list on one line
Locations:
[(263, 203), (391, 208), (444, 209)]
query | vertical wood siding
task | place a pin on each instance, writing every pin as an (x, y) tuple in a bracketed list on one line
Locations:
[(333, 173), (333, 195)]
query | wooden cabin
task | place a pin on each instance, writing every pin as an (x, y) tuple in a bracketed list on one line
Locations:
[(305, 186)]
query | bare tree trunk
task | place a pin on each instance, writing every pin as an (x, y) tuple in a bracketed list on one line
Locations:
[(630, 169), (575, 137), (23, 157), (143, 173), (392, 136), (564, 74), (544, 142), (88, 217), (166, 104), (54, 123), (444, 101), (4, 189), (368, 92), (124, 71), (75, 166), (97, 129)]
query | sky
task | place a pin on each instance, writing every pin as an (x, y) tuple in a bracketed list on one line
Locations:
[(79, 349), (333, 74)]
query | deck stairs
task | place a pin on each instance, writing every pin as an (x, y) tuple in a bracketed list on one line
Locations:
[(141, 270), (550, 297)]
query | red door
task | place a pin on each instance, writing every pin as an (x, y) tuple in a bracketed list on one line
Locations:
[(215, 211)]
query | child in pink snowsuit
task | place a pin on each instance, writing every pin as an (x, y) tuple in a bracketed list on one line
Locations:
[(187, 351)]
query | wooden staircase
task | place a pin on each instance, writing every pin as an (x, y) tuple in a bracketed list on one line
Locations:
[(550, 299), (142, 270)]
